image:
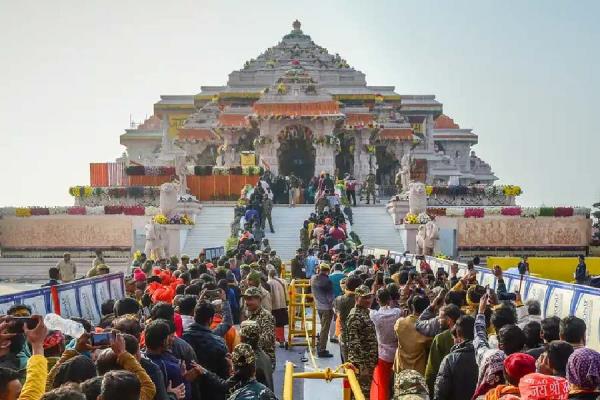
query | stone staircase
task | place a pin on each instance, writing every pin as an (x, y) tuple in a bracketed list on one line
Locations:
[(287, 223), (26, 269), (211, 230), (374, 226)]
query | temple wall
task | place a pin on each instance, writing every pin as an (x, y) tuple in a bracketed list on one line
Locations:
[(69, 232)]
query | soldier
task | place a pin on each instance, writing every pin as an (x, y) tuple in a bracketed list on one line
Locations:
[(250, 334), (264, 319), (362, 339), (244, 364), (409, 384), (267, 205), (370, 187)]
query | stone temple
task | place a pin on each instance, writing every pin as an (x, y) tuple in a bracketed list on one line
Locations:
[(301, 109)]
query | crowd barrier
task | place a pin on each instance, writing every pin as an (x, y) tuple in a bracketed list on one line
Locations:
[(557, 298), (81, 298)]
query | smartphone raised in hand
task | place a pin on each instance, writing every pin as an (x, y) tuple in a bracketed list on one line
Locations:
[(102, 338), (18, 323)]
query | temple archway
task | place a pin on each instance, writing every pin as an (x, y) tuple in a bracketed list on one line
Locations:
[(387, 166), (296, 152), (344, 160)]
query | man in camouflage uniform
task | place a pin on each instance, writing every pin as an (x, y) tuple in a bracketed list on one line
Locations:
[(267, 205), (410, 385), (362, 339), (264, 319), (244, 364), (250, 334), (370, 187), (275, 261)]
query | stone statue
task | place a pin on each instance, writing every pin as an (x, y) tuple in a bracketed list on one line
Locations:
[(405, 170), (168, 198), (154, 247), (421, 240), (432, 234), (398, 181), (395, 210), (417, 198), (181, 171)]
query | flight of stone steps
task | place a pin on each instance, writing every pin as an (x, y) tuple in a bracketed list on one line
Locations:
[(28, 269), (375, 228), (211, 230), (287, 223)]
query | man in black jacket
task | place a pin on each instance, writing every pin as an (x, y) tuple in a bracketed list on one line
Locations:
[(457, 377), (210, 348)]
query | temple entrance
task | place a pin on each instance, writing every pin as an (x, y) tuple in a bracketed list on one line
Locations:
[(296, 153), (387, 166), (344, 160)]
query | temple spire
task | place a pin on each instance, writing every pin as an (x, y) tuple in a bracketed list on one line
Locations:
[(296, 25)]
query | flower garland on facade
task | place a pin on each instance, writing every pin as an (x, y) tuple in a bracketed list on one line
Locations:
[(140, 170)]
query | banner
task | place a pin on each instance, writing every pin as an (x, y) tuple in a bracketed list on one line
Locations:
[(82, 298), (214, 252)]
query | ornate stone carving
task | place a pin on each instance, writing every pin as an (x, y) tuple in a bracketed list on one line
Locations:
[(168, 198), (432, 234), (155, 241), (421, 240), (417, 198)]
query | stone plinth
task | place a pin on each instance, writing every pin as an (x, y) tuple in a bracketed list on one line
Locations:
[(408, 233), (175, 238)]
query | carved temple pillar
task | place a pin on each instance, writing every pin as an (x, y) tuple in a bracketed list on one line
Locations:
[(325, 153), (267, 146), (230, 155), (363, 161)]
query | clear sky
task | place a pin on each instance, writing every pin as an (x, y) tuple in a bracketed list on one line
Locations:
[(523, 74)]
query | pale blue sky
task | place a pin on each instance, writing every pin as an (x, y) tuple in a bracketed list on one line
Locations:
[(522, 74)]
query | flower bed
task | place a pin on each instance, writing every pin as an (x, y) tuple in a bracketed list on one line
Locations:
[(24, 212), (175, 220), (140, 170), (114, 192), (528, 212)]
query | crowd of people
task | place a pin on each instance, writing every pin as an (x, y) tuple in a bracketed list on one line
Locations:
[(412, 332), (208, 328), (187, 329), (293, 190)]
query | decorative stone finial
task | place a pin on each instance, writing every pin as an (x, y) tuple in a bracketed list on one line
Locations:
[(296, 25)]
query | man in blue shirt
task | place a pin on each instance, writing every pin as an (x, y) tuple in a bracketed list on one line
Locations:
[(336, 277), (310, 263)]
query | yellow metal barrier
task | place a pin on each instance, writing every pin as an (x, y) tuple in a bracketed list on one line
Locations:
[(300, 300), (327, 374)]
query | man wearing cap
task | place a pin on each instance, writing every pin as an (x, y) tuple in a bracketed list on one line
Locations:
[(264, 319), (297, 265), (250, 334), (67, 268), (362, 339), (322, 290), (244, 364), (183, 266), (516, 366), (410, 385)]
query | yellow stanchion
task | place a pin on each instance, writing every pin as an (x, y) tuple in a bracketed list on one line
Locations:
[(299, 300)]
